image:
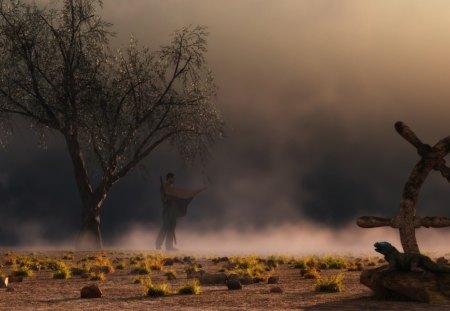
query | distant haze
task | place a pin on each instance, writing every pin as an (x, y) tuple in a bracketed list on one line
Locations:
[(310, 91)]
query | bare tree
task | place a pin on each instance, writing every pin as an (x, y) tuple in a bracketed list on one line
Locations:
[(113, 109)]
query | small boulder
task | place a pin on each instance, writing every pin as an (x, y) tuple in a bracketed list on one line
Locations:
[(233, 276), (3, 282), (258, 279), (15, 279), (91, 291), (273, 280), (234, 285), (168, 262), (276, 290), (85, 276), (213, 279)]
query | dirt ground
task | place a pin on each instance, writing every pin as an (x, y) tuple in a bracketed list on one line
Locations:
[(42, 292)]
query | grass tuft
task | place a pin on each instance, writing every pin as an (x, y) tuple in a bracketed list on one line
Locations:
[(331, 284), (156, 290), (191, 288)]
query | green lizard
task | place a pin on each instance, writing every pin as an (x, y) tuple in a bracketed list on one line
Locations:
[(407, 261)]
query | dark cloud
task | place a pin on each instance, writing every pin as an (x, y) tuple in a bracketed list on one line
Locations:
[(310, 92)]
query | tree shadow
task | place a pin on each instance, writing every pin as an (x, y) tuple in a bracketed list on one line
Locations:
[(373, 303)]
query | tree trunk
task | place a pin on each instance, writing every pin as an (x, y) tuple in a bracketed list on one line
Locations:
[(89, 237)]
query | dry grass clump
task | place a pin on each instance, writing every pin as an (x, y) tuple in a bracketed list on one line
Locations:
[(191, 288), (101, 264), (22, 271), (155, 263), (120, 265), (141, 268), (97, 276), (62, 271), (250, 266), (67, 256), (84, 269), (331, 284), (334, 262), (312, 273), (156, 290), (171, 275)]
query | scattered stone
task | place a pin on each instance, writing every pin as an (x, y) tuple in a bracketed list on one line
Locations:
[(276, 289), (91, 291), (187, 259), (433, 288), (272, 280), (234, 285), (3, 282), (15, 279), (224, 259), (258, 279), (85, 276), (10, 289), (213, 279), (168, 262), (442, 261)]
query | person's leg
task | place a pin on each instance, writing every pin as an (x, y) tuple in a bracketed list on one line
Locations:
[(163, 231), (170, 236)]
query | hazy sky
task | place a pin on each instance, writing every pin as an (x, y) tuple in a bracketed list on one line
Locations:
[(310, 91)]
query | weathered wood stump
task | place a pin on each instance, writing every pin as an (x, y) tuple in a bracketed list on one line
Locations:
[(433, 288)]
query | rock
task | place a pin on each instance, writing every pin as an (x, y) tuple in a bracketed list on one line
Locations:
[(3, 282), (85, 276), (168, 262), (433, 288), (15, 279), (233, 276), (10, 289), (276, 289), (272, 280), (91, 291), (258, 279), (234, 285), (213, 279)]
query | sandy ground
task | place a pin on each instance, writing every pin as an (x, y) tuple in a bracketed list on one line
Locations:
[(42, 292)]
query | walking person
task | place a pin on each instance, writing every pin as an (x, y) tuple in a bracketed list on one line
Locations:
[(174, 202)]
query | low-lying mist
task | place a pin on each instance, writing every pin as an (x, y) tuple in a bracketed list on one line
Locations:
[(305, 238)]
